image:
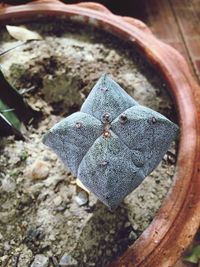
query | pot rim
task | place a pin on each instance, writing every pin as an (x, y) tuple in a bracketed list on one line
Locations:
[(178, 219)]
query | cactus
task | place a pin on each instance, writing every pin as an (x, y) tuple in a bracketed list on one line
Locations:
[(113, 143)]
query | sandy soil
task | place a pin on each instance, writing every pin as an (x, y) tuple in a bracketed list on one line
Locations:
[(39, 209)]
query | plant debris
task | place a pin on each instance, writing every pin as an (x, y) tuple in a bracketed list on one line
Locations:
[(21, 33)]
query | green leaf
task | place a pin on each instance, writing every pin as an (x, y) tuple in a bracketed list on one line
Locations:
[(9, 115), (11, 97), (194, 256), (14, 111)]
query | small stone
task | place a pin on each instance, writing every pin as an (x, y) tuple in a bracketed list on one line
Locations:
[(127, 224), (12, 242), (52, 237), (69, 223), (112, 231), (4, 260), (25, 257), (7, 246), (8, 184), (40, 261), (57, 200), (62, 207), (39, 170), (68, 261), (132, 236), (82, 198), (171, 158)]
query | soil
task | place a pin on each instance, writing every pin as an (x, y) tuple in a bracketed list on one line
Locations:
[(39, 211)]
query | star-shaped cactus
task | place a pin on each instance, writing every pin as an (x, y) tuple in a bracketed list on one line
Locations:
[(113, 143)]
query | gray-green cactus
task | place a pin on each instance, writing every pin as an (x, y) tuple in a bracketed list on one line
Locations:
[(113, 143)]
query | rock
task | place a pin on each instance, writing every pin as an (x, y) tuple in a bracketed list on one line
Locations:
[(57, 200), (4, 260), (82, 198), (132, 236), (52, 237), (113, 56), (68, 261), (7, 216), (40, 261), (39, 170), (7, 246), (8, 184), (127, 224)]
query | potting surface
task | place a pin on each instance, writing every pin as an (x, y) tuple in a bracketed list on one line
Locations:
[(42, 211), (176, 22)]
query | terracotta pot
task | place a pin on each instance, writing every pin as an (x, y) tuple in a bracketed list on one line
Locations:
[(177, 221)]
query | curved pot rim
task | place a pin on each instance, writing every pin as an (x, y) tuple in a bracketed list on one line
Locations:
[(178, 219)]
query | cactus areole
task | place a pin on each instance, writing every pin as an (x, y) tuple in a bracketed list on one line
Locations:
[(113, 143)]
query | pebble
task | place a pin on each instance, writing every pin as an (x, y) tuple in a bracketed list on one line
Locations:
[(69, 223), (112, 55), (132, 236), (68, 261), (82, 198), (39, 170), (12, 242), (25, 257), (40, 261), (7, 246), (57, 200), (4, 260), (8, 184), (127, 224), (112, 231), (52, 237)]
